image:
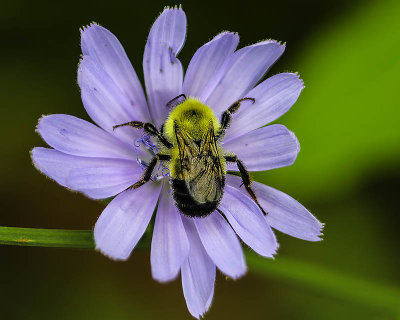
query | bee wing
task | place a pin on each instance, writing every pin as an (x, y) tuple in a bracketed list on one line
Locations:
[(205, 180), (185, 149)]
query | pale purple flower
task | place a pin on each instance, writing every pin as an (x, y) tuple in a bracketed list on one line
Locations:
[(102, 163)]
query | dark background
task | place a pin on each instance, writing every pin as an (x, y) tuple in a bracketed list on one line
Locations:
[(347, 174)]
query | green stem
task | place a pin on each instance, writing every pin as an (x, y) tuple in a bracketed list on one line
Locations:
[(47, 237), (316, 278), (54, 238)]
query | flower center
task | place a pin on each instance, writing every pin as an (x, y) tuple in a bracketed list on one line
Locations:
[(145, 142)]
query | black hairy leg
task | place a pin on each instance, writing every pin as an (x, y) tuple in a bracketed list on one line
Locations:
[(245, 179), (226, 117), (149, 170), (149, 129), (171, 103)]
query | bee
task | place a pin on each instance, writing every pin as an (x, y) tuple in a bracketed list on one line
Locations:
[(188, 144)]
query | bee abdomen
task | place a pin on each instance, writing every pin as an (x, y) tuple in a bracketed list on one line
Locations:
[(187, 205)]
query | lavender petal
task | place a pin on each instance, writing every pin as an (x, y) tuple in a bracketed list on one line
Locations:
[(103, 182), (240, 73), (198, 274), (107, 52), (105, 103), (284, 213), (207, 60), (64, 168), (163, 72), (170, 244), (124, 220), (78, 137), (248, 221), (221, 244), (265, 148), (274, 97)]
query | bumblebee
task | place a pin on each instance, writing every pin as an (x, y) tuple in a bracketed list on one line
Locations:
[(188, 144)]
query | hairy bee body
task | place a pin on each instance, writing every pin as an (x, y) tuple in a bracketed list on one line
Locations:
[(197, 165), (188, 145)]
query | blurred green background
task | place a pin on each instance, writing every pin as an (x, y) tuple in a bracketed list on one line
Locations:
[(347, 173)]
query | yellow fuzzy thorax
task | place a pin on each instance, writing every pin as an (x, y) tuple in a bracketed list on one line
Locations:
[(192, 117)]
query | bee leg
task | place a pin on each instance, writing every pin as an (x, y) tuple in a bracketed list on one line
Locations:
[(149, 170), (149, 129), (226, 117), (171, 102), (146, 175), (246, 181)]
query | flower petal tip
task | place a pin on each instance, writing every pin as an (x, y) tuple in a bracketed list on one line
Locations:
[(275, 252), (102, 246), (93, 24), (222, 34), (171, 10), (168, 8), (239, 275), (41, 121), (35, 155), (295, 77), (266, 254), (320, 235), (32, 154), (272, 42), (112, 256), (37, 129), (300, 80), (200, 315), (166, 279), (297, 144)]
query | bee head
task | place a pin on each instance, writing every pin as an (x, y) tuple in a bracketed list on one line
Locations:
[(191, 117)]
